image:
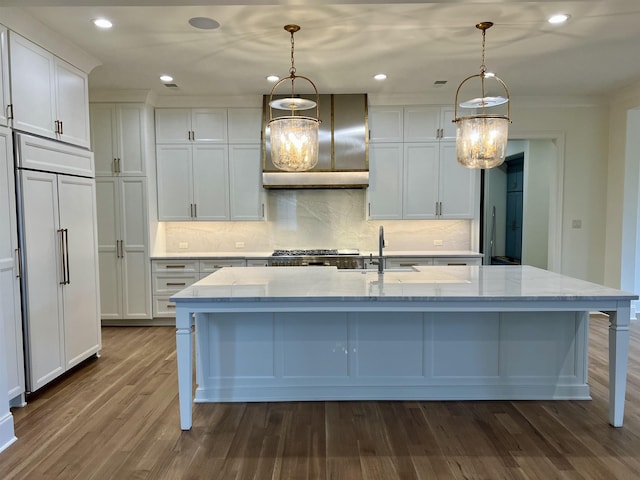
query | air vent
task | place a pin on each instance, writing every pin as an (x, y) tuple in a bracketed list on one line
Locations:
[(171, 85)]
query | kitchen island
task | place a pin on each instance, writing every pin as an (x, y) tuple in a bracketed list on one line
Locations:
[(429, 333)]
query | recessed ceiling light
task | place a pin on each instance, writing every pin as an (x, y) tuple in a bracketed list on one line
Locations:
[(272, 78), (102, 23), (204, 23), (558, 18), (166, 78), (380, 76)]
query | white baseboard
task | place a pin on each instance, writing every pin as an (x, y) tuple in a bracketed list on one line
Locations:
[(7, 435)]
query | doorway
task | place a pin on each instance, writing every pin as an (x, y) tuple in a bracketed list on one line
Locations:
[(521, 216)]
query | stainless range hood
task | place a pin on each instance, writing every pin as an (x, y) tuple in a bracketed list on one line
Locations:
[(343, 154)]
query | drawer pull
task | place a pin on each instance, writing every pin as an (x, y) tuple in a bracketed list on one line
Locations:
[(222, 266), (170, 305), (456, 264), (175, 266), (408, 264), (176, 284)]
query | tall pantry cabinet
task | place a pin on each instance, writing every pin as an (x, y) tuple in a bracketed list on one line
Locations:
[(10, 309), (119, 141)]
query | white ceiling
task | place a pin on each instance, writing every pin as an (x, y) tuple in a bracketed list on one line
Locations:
[(342, 44)]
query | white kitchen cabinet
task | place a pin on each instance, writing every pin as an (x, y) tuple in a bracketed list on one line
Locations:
[(5, 97), (420, 123), (50, 97), (245, 182), (117, 138), (193, 182), (125, 291), (191, 125), (406, 262), (10, 309), (420, 180), (171, 276), (59, 239), (457, 261), (385, 181), (245, 125), (386, 124), (428, 123)]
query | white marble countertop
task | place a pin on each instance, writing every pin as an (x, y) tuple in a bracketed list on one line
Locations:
[(423, 283), (363, 253)]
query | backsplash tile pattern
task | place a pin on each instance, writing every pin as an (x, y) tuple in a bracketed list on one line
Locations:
[(316, 219)]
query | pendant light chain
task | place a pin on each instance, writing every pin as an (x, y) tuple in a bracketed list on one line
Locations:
[(292, 70)]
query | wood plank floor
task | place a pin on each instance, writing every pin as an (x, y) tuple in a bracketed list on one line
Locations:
[(117, 418)]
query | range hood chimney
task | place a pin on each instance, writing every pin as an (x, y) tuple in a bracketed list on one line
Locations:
[(343, 153)]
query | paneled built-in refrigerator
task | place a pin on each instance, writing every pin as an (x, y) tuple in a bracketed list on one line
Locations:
[(58, 240)]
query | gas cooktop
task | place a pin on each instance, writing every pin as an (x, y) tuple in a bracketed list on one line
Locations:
[(316, 252)]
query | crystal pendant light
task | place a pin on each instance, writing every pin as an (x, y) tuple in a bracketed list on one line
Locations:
[(481, 138), (294, 137)]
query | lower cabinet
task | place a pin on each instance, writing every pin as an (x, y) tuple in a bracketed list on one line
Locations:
[(60, 276), (408, 262), (171, 276), (125, 293)]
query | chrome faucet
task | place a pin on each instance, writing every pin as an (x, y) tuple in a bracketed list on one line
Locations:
[(380, 261), (380, 247)]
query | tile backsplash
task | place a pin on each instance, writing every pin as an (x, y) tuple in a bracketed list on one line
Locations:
[(316, 219)]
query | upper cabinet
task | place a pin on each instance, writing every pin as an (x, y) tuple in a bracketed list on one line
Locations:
[(50, 97), (411, 123), (4, 77), (245, 125), (191, 125), (117, 138)]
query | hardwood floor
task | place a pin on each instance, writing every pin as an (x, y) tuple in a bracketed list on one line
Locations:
[(117, 418)]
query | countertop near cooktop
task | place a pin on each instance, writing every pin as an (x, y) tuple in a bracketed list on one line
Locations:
[(363, 253)]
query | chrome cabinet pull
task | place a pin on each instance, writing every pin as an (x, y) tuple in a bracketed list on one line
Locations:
[(169, 305), (195, 210), (61, 131), (56, 127), (176, 284), (18, 263), (175, 266), (118, 168), (64, 275), (263, 210), (66, 247), (10, 111)]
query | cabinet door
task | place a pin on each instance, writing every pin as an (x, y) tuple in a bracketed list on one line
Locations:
[(130, 138), (4, 76), (447, 114), (10, 310), (209, 125), (72, 95), (175, 194), (385, 181), (421, 124), (136, 288), (245, 182), (245, 125), (104, 137), (173, 125), (385, 124), (459, 186), (420, 192), (42, 276), (108, 209), (77, 204), (210, 182), (32, 75)]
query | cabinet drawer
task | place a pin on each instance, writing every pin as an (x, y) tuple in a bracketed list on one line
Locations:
[(453, 261), (176, 266), (167, 284), (258, 262), (407, 262), (211, 265), (163, 308)]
